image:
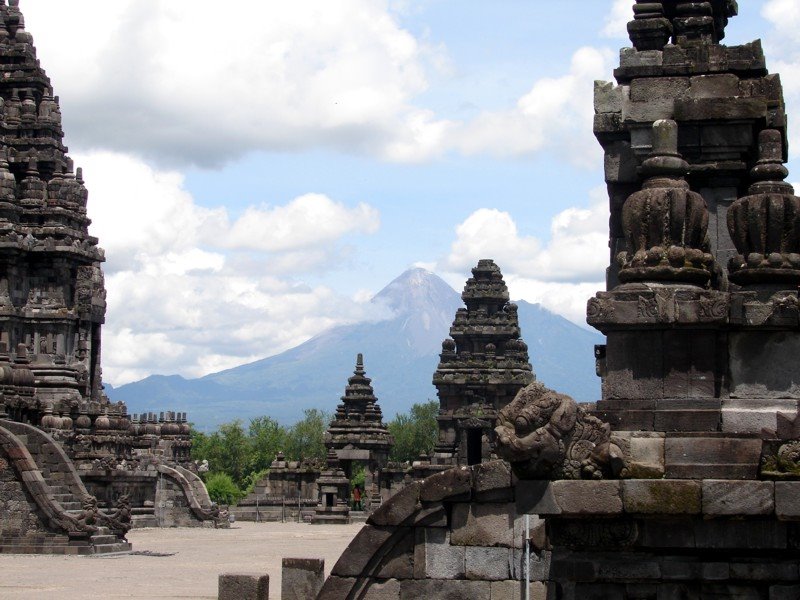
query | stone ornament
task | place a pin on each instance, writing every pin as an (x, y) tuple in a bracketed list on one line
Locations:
[(685, 23), (765, 225), (546, 435), (665, 223)]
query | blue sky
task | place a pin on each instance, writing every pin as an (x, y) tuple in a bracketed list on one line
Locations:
[(258, 170)]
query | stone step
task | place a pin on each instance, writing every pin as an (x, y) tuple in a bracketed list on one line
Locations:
[(116, 548), (140, 521), (101, 540)]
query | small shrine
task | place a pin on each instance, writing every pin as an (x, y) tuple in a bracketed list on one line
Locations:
[(334, 492), (484, 363), (357, 434)]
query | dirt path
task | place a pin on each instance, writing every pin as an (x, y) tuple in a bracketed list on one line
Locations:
[(195, 559)]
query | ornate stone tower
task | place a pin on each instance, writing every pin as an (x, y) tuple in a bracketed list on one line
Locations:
[(484, 363), (357, 433), (52, 296)]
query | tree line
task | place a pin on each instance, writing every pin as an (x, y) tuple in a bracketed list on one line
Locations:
[(239, 456)]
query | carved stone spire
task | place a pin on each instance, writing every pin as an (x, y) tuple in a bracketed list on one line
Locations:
[(358, 422), (484, 363), (665, 223), (686, 23), (649, 30), (765, 225)]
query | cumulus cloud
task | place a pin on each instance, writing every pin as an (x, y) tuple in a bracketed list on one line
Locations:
[(192, 291), (616, 23), (192, 81), (577, 249), (556, 113), (205, 82), (783, 52), (559, 274)]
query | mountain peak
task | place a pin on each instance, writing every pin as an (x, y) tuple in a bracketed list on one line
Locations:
[(418, 289)]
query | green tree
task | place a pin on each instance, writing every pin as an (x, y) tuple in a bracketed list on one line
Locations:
[(266, 437), (414, 432), (222, 489), (306, 438)]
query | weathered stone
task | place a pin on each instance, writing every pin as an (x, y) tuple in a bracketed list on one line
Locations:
[(301, 578), (646, 457), (399, 561), (440, 559), (607, 97), (714, 86), (243, 586), (539, 565), (483, 524), (358, 554), (383, 590), (787, 500), (588, 497), (336, 588), (700, 457), (544, 434), (760, 417), (661, 497), (536, 498), (784, 592), (728, 498), (733, 534), (487, 564), (453, 484), (773, 571), (651, 89), (492, 476), (445, 589), (762, 366), (399, 508)]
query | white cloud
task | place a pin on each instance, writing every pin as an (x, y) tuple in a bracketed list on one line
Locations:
[(191, 291), (556, 113), (577, 249), (202, 81), (310, 220), (193, 81), (782, 47), (616, 23), (560, 274)]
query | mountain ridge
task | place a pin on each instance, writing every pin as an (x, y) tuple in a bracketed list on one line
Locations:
[(400, 352)]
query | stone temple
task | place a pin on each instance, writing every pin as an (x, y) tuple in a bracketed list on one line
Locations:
[(76, 471), (484, 363), (682, 481)]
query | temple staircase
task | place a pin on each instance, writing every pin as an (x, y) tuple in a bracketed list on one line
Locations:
[(50, 510)]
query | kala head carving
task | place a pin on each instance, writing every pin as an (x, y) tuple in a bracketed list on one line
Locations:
[(546, 435)]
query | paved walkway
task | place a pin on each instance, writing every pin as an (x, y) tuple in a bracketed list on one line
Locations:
[(197, 558)]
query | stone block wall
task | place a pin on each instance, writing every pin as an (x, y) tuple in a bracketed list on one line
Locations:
[(460, 534), (21, 517), (172, 506)]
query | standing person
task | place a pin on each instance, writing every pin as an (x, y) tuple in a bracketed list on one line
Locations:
[(357, 498)]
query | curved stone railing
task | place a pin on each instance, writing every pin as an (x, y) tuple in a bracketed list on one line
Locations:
[(72, 480), (392, 530), (118, 520), (209, 513), (198, 487), (33, 481)]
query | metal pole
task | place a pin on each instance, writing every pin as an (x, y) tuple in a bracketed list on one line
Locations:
[(258, 520), (527, 567)]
